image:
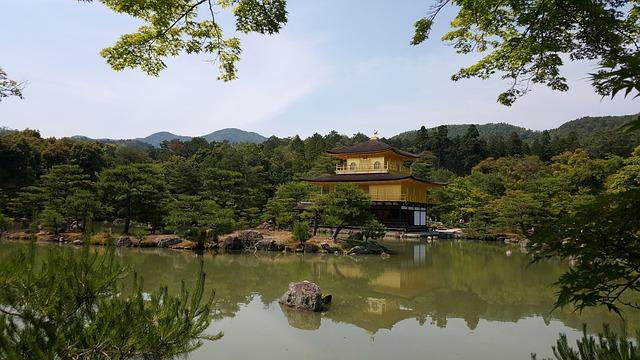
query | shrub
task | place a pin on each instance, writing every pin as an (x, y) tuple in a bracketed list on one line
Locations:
[(5, 222), (373, 230), (301, 232)]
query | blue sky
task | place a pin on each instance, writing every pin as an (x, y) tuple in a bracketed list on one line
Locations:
[(343, 65)]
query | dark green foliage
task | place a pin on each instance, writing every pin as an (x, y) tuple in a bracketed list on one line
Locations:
[(281, 207), (51, 219), (72, 306), (136, 192), (301, 232), (346, 205), (602, 238), (607, 346), (195, 217), (5, 222), (20, 159), (373, 230)]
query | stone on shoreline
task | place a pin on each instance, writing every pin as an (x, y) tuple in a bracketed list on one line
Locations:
[(268, 245), (249, 238), (231, 243), (168, 241), (123, 241)]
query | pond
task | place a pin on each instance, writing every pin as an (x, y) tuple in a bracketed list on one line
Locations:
[(444, 300)]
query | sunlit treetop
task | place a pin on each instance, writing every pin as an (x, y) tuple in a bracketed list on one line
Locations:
[(172, 27), (527, 41)]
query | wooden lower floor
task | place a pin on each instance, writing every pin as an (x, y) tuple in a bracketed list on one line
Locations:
[(405, 216), (394, 215)]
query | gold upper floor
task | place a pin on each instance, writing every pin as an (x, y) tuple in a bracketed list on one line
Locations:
[(371, 165)]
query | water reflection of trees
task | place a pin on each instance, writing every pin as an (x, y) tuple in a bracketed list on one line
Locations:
[(427, 282)]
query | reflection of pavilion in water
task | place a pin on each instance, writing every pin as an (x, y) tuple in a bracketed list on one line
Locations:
[(402, 290), (469, 287)]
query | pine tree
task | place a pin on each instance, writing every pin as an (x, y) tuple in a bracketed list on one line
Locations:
[(73, 306)]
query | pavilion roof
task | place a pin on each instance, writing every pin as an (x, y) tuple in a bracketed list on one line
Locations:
[(369, 147), (366, 177)]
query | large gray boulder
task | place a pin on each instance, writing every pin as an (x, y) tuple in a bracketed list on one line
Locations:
[(268, 245), (249, 238), (304, 296), (231, 243)]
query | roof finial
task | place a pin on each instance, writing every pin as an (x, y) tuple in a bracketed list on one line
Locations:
[(375, 135)]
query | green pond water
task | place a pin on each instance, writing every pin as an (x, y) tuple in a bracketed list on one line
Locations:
[(445, 300)]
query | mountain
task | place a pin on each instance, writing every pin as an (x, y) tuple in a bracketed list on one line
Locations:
[(157, 138), (486, 131), (584, 128), (231, 135), (589, 125), (234, 135)]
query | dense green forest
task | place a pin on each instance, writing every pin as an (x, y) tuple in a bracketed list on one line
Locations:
[(59, 182)]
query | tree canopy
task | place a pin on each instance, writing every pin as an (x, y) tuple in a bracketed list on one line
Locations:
[(528, 41), (171, 27)]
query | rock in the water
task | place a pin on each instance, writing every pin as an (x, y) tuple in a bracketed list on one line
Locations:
[(231, 243), (168, 241), (303, 296), (249, 238), (311, 248), (123, 241), (78, 242), (328, 247), (370, 248)]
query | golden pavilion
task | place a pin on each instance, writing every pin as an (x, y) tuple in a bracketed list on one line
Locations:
[(398, 199)]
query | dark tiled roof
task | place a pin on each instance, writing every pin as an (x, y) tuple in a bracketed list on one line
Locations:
[(371, 146), (364, 177)]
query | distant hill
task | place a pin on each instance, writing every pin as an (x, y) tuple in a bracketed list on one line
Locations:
[(157, 138), (584, 128), (486, 131), (588, 125), (231, 135), (234, 135)]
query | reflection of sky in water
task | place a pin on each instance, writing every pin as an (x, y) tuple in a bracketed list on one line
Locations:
[(255, 332), (444, 300)]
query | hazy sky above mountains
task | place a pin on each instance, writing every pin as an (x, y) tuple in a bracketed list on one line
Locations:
[(343, 65)]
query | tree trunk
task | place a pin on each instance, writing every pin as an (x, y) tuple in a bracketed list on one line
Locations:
[(127, 222), (335, 234), (315, 222)]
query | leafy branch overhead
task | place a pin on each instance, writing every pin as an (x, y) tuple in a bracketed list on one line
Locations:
[(527, 41), (175, 26), (9, 87)]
